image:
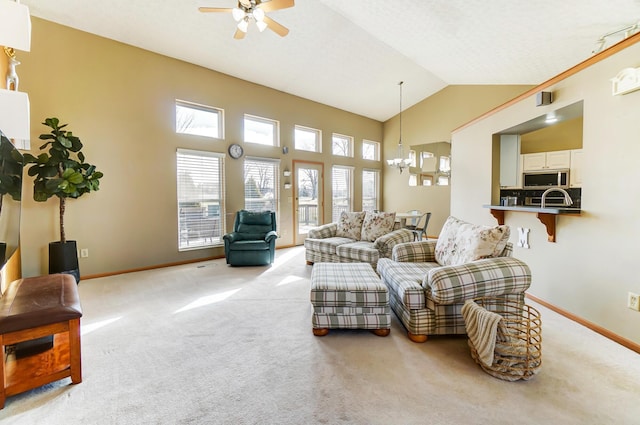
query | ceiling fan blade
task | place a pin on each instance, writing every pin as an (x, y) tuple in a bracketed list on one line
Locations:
[(215, 9), (271, 5), (239, 35), (276, 27)]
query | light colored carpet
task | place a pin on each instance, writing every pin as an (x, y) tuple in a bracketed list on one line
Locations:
[(209, 344)]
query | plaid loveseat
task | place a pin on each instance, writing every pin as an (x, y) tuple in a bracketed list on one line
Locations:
[(323, 246), (427, 297)]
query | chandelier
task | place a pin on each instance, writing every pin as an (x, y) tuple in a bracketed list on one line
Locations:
[(400, 161)]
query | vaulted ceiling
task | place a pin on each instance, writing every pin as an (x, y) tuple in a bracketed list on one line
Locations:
[(351, 54)]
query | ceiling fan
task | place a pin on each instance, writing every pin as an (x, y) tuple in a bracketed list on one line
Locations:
[(254, 10)]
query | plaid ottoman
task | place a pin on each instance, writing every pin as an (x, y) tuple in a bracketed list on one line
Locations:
[(349, 296)]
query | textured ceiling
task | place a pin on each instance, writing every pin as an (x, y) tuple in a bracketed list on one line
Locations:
[(352, 54)]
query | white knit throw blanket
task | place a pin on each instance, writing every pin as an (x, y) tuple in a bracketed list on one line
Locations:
[(482, 326)]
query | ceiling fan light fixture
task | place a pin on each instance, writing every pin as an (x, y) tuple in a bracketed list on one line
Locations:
[(261, 25), (238, 14), (248, 11), (258, 14), (243, 25)]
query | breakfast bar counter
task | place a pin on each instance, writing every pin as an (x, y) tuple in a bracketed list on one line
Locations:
[(546, 215)]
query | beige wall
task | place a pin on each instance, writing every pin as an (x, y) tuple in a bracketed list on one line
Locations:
[(593, 264), (562, 136), (433, 120), (120, 101)]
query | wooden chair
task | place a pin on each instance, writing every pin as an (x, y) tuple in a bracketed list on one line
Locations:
[(33, 308)]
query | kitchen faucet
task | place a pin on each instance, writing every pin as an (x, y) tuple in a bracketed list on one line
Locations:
[(567, 199)]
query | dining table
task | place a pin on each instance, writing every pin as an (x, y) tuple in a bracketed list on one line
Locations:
[(402, 217)]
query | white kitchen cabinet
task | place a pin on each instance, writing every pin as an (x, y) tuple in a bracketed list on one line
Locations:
[(534, 161), (558, 159), (510, 169), (547, 160), (575, 172)]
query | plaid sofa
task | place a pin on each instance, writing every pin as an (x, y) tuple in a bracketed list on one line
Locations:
[(428, 297), (323, 246)]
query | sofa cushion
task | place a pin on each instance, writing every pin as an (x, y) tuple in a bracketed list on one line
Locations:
[(350, 225), (461, 242), (376, 225), (326, 245), (262, 218), (362, 251)]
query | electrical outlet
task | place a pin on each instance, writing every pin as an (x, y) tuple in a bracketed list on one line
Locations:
[(84, 252), (633, 302)]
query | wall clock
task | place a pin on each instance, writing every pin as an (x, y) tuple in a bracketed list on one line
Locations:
[(235, 151)]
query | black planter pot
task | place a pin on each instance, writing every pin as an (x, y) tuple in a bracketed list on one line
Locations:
[(63, 258)]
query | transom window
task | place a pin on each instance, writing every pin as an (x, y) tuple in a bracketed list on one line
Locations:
[(342, 145), (307, 139), (201, 209), (370, 150), (342, 184), (261, 184), (199, 120), (370, 190), (262, 131)]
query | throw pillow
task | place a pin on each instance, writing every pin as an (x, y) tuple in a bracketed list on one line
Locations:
[(461, 242), (376, 225), (350, 225)]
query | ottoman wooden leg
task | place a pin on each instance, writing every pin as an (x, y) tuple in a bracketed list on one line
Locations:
[(381, 332), (320, 331)]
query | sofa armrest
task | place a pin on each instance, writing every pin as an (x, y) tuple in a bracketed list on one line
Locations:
[(270, 236), (231, 237), (483, 278), (415, 252), (239, 236), (385, 243), (325, 231)]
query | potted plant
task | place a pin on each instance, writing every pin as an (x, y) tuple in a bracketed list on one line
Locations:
[(62, 172), (10, 185)]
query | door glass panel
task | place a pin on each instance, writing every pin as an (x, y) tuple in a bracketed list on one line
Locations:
[(308, 198)]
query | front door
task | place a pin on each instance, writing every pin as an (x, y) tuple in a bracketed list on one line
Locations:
[(308, 203)]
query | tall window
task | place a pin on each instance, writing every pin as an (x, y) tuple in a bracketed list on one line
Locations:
[(308, 139), (342, 184), (262, 131), (201, 209), (342, 145), (261, 184), (370, 150), (199, 120), (370, 190)]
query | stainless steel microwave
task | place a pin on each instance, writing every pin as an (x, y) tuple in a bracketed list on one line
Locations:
[(545, 179)]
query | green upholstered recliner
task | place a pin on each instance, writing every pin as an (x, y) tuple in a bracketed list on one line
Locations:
[(253, 240)]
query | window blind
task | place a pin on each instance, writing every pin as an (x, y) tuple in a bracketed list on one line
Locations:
[(201, 208), (370, 190), (341, 182)]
